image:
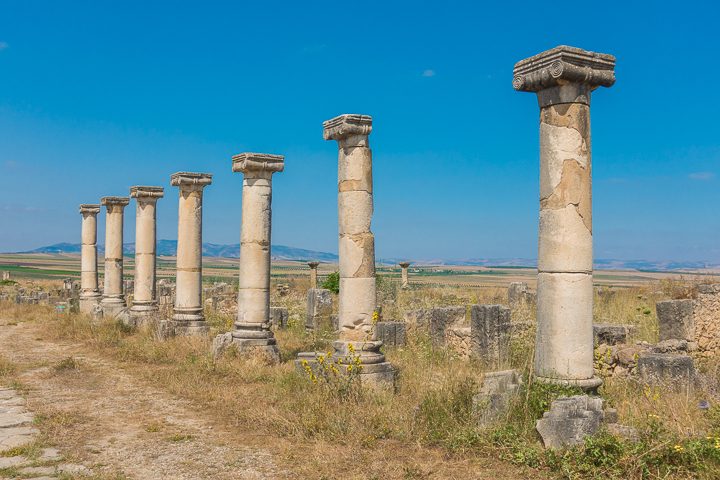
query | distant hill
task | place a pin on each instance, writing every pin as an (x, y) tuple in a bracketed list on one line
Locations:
[(283, 252), (169, 248)]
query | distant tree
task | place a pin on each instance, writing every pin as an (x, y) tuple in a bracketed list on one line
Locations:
[(332, 282)]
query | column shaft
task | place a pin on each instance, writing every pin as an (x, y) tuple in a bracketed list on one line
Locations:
[(89, 291), (188, 317), (144, 299), (113, 298), (357, 298)]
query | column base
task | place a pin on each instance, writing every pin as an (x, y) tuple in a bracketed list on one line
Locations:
[(112, 306), (185, 328), (88, 302), (587, 384), (140, 315), (250, 340), (353, 358)]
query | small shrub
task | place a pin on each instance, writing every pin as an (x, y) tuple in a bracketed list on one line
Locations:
[(332, 282)]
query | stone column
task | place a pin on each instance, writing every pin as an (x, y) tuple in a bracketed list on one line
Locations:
[(251, 331), (355, 208), (188, 317), (113, 299), (144, 300), (89, 291), (563, 79), (313, 274), (357, 298), (404, 274)]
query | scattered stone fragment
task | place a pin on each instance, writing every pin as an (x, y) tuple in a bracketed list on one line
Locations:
[(570, 420), (675, 319), (279, 317), (608, 334), (11, 462), (319, 309), (490, 333), (670, 370), (390, 333), (496, 392)]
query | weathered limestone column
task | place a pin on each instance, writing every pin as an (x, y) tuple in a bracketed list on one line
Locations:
[(404, 274), (313, 274), (355, 208), (113, 299), (188, 317), (89, 291), (357, 299), (563, 79), (251, 330), (144, 301)]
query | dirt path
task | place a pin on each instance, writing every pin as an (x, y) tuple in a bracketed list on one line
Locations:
[(109, 421)]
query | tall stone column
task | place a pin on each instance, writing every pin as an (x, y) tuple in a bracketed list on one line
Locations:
[(251, 331), (563, 79), (405, 281), (313, 274), (89, 291), (188, 317), (144, 300), (357, 298), (113, 299)]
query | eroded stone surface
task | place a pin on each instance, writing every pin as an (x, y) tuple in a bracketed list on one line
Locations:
[(490, 334), (570, 420), (390, 333), (496, 393), (675, 319)]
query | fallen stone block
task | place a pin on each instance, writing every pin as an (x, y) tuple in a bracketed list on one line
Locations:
[(570, 420), (391, 333), (676, 319), (436, 321), (490, 333), (609, 334), (496, 393), (670, 370), (279, 317), (319, 309)]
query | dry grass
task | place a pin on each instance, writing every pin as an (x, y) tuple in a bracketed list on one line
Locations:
[(431, 411)]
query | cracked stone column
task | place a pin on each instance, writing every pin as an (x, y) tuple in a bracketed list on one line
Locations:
[(89, 291), (144, 301), (563, 79), (357, 298), (188, 317), (313, 274), (404, 274), (251, 331), (113, 299)]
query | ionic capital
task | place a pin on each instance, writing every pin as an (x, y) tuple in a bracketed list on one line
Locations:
[(404, 264), (347, 125), (249, 162), (190, 180), (114, 201), (564, 75), (89, 208), (313, 265), (142, 192)]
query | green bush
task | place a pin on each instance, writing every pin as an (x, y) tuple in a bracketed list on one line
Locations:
[(332, 282)]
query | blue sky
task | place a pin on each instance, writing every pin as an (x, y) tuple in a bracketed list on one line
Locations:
[(96, 96)]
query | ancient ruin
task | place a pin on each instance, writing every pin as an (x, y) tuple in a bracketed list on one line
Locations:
[(89, 291), (313, 274), (144, 299), (188, 317), (113, 298), (404, 280), (251, 331), (563, 79)]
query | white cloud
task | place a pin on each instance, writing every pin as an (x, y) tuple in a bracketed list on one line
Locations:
[(3, 45), (701, 176), (428, 73)]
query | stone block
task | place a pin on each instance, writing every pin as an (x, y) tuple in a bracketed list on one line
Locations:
[(490, 333), (457, 339), (676, 319), (319, 309), (436, 321), (608, 334), (390, 333), (519, 294), (279, 317), (670, 370), (496, 393), (706, 314), (570, 420)]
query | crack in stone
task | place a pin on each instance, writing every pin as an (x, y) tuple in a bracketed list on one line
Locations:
[(573, 189)]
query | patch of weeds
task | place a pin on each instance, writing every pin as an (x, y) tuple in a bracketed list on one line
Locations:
[(180, 437), (67, 364), (7, 368), (153, 427), (30, 450)]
